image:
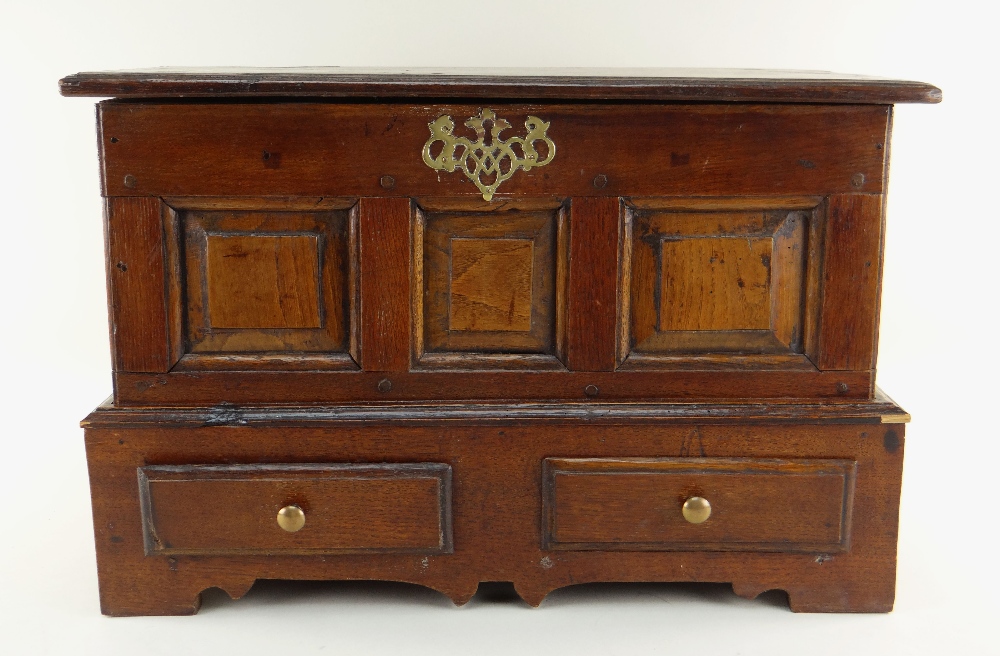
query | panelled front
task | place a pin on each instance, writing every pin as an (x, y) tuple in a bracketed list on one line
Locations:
[(331, 252)]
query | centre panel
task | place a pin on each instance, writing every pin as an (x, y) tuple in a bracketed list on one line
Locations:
[(489, 286)]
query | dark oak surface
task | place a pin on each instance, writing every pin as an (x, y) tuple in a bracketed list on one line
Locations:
[(383, 245), (497, 502), (256, 385), (608, 84), (593, 278), (402, 295), (348, 508), (266, 149), (881, 409), (136, 271), (489, 362), (757, 504), (852, 277)]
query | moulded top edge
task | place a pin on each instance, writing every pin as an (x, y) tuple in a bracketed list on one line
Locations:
[(880, 409), (583, 84)]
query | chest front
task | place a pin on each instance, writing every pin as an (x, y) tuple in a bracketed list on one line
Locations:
[(455, 329)]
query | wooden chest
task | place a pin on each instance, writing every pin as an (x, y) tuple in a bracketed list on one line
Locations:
[(447, 327)]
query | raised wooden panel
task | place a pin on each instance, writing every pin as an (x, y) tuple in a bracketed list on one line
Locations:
[(262, 281), (722, 282), (488, 287), (634, 504), (262, 289), (715, 284)]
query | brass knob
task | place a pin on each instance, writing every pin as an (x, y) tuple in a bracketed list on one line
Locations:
[(697, 510), (291, 518)]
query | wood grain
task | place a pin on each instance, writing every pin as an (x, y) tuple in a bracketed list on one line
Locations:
[(715, 284), (273, 282), (851, 279), (790, 304), (471, 384), (259, 203), (704, 283), (608, 84), (280, 361), (593, 283), (684, 301), (497, 467), (489, 285), (343, 150), (880, 410), (384, 275), (136, 268), (349, 508), (260, 281), (757, 504)]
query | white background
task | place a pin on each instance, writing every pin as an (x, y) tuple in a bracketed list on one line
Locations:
[(938, 354)]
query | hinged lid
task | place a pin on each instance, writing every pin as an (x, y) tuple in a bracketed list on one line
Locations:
[(603, 84)]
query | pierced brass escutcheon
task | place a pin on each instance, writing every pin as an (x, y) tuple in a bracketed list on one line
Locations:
[(487, 164)]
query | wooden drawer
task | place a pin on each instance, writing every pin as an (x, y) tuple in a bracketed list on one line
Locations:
[(636, 504), (348, 508)]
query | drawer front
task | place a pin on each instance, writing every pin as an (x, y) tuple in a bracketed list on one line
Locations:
[(638, 504), (347, 508)]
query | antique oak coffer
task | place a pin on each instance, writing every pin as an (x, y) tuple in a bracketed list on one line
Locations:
[(446, 327)]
